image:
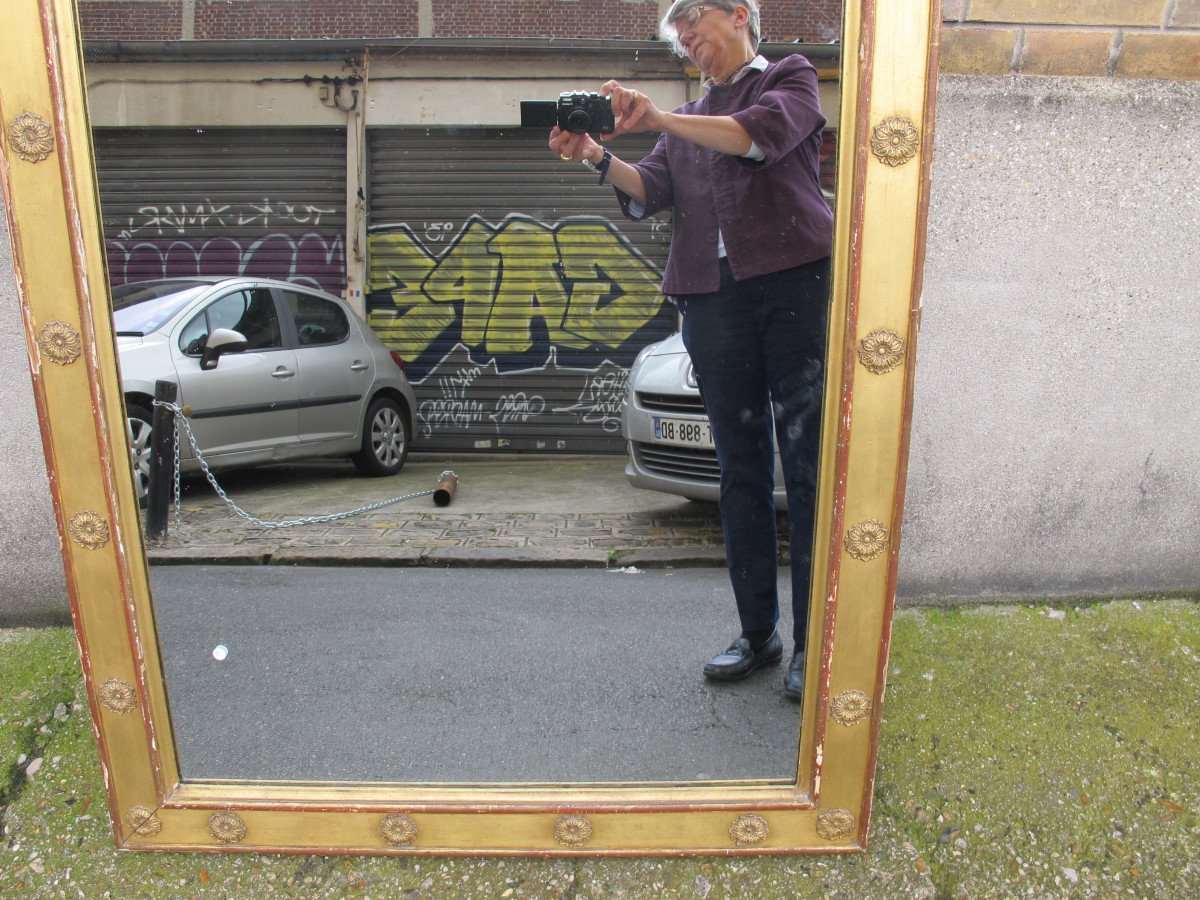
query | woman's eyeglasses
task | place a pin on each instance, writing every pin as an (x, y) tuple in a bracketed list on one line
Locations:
[(690, 18)]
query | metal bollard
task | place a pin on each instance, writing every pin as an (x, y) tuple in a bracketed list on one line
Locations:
[(162, 463), (445, 489)]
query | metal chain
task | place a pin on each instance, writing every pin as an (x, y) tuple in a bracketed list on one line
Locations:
[(181, 419), (178, 481)]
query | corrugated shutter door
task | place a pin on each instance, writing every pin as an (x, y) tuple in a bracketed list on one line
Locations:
[(224, 201), (513, 286)]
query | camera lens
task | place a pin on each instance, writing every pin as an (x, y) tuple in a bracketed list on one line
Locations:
[(579, 121)]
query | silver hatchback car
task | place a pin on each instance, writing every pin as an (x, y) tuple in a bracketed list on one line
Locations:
[(269, 371), (666, 429)]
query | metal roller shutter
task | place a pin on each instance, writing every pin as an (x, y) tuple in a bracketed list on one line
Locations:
[(224, 201), (513, 286)]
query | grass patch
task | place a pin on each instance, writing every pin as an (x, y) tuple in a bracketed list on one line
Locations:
[(1047, 750), (39, 671)]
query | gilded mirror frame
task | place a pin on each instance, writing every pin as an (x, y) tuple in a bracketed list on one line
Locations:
[(885, 128)]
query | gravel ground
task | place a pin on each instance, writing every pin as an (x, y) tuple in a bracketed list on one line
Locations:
[(1028, 751)]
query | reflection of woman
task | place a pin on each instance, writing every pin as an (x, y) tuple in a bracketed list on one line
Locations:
[(749, 268)]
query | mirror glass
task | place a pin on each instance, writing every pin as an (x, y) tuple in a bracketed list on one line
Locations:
[(401, 643)]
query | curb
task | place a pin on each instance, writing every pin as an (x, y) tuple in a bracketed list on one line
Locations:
[(446, 557)]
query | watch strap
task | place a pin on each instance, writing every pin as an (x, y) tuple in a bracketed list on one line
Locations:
[(602, 166)]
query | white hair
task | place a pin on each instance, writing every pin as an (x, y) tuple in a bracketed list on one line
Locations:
[(668, 33)]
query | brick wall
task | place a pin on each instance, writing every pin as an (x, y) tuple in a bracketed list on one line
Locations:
[(1117, 38), (818, 21), (115, 20), (782, 20), (628, 19), (247, 19)]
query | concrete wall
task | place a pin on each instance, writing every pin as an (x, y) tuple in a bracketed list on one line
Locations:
[(34, 591), (1055, 436)]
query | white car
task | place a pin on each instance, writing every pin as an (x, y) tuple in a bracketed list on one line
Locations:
[(269, 371), (666, 429)]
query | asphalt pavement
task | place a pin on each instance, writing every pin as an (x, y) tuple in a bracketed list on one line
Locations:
[(463, 675), (549, 623)]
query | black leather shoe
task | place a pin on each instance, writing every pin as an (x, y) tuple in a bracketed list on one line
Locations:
[(793, 681), (739, 660)]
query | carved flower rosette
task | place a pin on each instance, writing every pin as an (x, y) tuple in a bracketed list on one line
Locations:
[(31, 137), (60, 342), (88, 530), (835, 824), (749, 830), (894, 141), (572, 831), (397, 830), (867, 540), (881, 351), (142, 820), (227, 827), (118, 696), (850, 707)]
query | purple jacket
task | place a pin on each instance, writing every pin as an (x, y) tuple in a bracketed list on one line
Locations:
[(771, 212)]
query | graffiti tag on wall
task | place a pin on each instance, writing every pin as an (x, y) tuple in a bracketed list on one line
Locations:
[(313, 259), (272, 238), (512, 291), (481, 407), (519, 334), (181, 218)]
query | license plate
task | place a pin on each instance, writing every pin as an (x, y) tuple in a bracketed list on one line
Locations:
[(687, 432)]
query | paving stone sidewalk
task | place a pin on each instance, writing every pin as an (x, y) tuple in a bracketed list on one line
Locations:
[(573, 511), (432, 538)]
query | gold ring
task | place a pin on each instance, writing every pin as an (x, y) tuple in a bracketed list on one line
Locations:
[(564, 158)]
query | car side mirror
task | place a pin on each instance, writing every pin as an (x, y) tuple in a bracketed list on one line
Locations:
[(220, 342)]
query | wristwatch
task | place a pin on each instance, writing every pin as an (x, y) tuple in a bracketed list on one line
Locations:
[(603, 167)]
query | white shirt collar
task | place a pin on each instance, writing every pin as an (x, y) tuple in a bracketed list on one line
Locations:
[(758, 64)]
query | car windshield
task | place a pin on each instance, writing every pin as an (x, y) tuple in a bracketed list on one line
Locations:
[(142, 307)]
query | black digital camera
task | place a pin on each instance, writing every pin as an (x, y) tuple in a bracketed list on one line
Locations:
[(576, 111)]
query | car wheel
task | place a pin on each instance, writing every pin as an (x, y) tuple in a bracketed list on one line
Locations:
[(385, 439), (138, 420)]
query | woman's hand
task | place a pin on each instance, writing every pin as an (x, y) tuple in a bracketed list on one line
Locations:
[(634, 111), (572, 147)]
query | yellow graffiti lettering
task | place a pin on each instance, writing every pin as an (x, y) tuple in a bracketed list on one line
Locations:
[(580, 280), (468, 274), (614, 292), (400, 266), (529, 289)]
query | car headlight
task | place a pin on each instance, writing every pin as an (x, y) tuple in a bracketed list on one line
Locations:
[(640, 359), (638, 362)]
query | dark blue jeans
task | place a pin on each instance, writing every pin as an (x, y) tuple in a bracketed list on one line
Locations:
[(756, 344)]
